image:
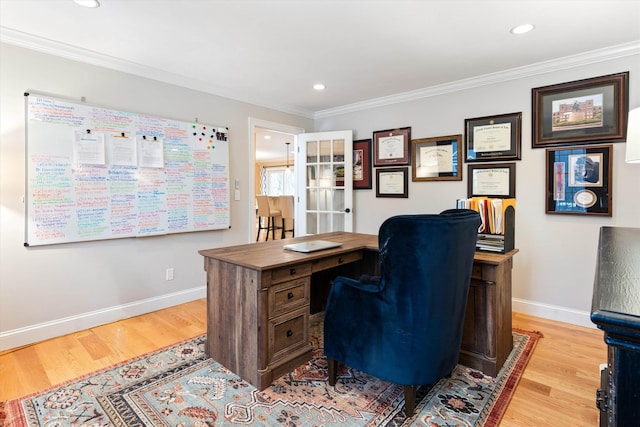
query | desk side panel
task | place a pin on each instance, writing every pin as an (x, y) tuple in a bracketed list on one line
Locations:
[(234, 305)]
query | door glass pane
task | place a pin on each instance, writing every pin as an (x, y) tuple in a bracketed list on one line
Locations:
[(338, 200), (338, 221), (312, 173), (312, 223), (325, 151), (326, 176), (312, 199), (338, 150), (338, 172), (324, 223), (312, 151)]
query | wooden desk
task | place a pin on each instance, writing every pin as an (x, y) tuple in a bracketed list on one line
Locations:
[(258, 299)]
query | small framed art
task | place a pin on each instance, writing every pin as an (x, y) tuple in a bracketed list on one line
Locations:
[(581, 112), (493, 138), (391, 147), (362, 164), (436, 159), (578, 180), (392, 182), (492, 180)]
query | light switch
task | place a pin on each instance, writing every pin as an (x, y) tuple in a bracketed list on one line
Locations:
[(236, 195)]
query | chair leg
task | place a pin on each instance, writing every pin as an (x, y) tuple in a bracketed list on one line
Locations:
[(331, 365), (282, 235), (273, 228), (409, 400)]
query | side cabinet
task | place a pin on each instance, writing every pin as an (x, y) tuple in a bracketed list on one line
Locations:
[(616, 310), (487, 338)]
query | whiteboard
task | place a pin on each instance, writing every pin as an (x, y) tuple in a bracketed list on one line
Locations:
[(95, 173)]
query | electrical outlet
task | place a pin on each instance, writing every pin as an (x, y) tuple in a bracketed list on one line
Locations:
[(169, 274)]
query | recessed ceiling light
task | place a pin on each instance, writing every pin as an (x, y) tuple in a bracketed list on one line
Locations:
[(318, 86), (267, 137), (522, 29), (88, 3)]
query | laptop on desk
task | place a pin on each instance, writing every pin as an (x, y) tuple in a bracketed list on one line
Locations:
[(312, 246)]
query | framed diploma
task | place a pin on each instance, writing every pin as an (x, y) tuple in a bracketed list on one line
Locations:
[(495, 180), (578, 180), (362, 164), (581, 112), (436, 159), (391, 147), (392, 182), (493, 138)]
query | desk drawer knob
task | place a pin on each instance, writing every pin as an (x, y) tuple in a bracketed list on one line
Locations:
[(292, 271), (340, 260), (289, 333), (290, 295)]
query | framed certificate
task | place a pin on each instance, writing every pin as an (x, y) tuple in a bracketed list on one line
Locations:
[(495, 180), (581, 112), (437, 159), (392, 182), (391, 147), (578, 180), (493, 138), (362, 164)]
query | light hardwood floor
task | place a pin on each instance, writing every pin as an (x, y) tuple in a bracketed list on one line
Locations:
[(557, 388)]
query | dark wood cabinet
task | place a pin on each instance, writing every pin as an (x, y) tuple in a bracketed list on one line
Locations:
[(616, 310), (487, 337)]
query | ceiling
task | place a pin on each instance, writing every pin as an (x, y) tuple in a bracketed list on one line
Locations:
[(367, 53)]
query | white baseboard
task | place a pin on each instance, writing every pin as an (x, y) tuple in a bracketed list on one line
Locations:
[(553, 312), (42, 331)]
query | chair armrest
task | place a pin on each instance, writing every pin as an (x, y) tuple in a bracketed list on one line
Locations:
[(366, 283)]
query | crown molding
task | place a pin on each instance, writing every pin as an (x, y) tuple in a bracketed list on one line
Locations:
[(64, 50), (586, 58)]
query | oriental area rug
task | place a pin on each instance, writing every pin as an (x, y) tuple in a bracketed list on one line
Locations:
[(180, 386)]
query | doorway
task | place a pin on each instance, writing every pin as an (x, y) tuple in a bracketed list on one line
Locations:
[(271, 152)]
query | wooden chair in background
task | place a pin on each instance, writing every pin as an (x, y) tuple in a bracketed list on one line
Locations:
[(287, 209), (266, 211)]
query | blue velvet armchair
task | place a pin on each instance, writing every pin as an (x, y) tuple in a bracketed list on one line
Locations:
[(405, 326)]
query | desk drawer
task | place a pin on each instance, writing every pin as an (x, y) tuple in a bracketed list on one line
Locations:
[(476, 271), (336, 260), (288, 296), (291, 272), (287, 333)]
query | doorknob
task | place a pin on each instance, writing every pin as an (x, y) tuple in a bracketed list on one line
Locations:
[(347, 210)]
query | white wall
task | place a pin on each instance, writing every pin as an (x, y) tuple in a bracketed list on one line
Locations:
[(51, 290), (554, 270)]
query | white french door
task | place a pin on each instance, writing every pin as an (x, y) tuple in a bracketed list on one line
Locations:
[(324, 169)]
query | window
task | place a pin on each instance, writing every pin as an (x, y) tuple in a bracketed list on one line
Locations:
[(278, 181)]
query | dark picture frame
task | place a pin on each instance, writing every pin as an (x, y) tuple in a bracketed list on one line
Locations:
[(491, 180), (391, 147), (578, 180), (587, 111), (437, 158), (492, 138), (362, 164), (392, 182)]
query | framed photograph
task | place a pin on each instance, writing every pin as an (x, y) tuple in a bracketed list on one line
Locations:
[(492, 180), (436, 159), (392, 182), (578, 180), (391, 147), (362, 164), (493, 138), (581, 112)]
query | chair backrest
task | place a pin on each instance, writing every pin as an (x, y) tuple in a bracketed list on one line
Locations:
[(426, 263), (263, 205), (286, 207)]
